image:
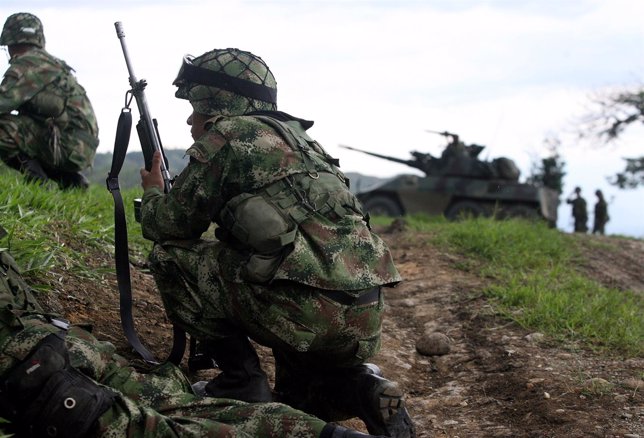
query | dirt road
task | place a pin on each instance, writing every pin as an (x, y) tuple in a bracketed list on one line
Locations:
[(498, 379)]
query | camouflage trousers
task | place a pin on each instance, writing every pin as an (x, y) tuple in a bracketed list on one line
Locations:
[(156, 404), (69, 150), (581, 225), (305, 328)]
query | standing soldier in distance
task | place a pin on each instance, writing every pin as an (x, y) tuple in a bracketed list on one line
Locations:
[(48, 129), (295, 265), (601, 213), (579, 211)]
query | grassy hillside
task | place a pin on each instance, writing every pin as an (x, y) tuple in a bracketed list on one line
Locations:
[(536, 282), (50, 230), (532, 270)]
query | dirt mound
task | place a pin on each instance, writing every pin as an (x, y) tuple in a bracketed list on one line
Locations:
[(497, 380)]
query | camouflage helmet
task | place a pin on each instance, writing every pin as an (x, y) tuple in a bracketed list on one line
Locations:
[(228, 82), (22, 28)]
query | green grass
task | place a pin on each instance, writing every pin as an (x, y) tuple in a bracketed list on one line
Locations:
[(531, 268), (49, 228), (534, 281)]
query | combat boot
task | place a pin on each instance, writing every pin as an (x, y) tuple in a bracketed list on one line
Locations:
[(69, 180), (353, 392), (12, 162), (241, 377), (380, 404), (31, 168)]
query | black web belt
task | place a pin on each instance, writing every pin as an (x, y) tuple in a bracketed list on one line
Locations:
[(366, 297)]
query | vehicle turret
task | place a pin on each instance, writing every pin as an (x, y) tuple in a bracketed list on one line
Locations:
[(458, 184)]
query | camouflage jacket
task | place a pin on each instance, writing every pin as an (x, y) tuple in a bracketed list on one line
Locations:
[(579, 210), (601, 211), (42, 86), (243, 155)]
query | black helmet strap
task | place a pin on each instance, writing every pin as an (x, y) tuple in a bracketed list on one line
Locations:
[(203, 76)]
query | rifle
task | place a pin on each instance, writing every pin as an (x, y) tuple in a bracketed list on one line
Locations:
[(149, 137), (148, 132)]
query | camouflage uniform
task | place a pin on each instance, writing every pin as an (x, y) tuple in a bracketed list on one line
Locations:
[(242, 155), (601, 214), (579, 212), (295, 265), (288, 312), (44, 112), (156, 404)]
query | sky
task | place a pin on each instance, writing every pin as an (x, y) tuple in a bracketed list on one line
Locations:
[(377, 74)]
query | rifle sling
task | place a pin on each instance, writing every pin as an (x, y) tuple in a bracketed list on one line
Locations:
[(121, 256)]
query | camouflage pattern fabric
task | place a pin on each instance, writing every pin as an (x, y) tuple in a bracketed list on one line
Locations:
[(234, 63), (242, 155), (155, 404), (53, 120), (601, 216), (202, 283), (579, 213), (284, 315), (22, 28)]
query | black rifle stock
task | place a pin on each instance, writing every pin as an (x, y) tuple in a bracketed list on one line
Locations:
[(147, 127)]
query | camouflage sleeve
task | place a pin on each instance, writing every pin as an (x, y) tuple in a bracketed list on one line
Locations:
[(185, 212), (18, 86), (10, 97)]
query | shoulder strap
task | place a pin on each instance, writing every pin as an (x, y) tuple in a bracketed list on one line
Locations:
[(121, 256), (315, 158)]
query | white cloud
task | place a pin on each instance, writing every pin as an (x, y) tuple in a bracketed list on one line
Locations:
[(376, 74)]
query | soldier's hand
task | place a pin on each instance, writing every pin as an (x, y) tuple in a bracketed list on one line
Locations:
[(153, 178)]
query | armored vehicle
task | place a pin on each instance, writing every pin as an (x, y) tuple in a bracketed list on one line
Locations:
[(458, 184)]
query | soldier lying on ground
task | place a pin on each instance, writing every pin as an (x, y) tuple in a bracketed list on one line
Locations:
[(58, 380)]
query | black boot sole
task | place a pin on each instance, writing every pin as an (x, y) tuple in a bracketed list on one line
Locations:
[(384, 412)]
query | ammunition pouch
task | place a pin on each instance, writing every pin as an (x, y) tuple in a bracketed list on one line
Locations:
[(44, 396), (46, 104), (267, 222), (254, 223), (51, 101)]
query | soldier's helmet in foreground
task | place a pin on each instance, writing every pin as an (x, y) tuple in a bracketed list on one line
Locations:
[(22, 28), (228, 82)]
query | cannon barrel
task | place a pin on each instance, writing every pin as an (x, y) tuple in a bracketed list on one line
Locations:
[(413, 163)]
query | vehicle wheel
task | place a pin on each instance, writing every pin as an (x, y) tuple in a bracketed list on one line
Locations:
[(522, 211), (465, 210), (382, 206)]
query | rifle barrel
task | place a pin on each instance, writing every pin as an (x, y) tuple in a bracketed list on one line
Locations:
[(137, 90)]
